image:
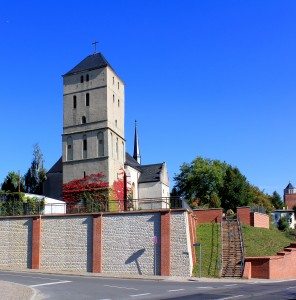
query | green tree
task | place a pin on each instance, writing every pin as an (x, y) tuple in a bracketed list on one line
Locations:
[(202, 179), (11, 183), (276, 200), (233, 192), (283, 224), (36, 174)]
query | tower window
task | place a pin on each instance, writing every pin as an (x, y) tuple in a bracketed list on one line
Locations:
[(113, 79), (100, 144), (87, 99), (118, 102), (69, 148), (81, 79), (111, 144), (116, 149), (87, 77), (118, 85), (115, 123), (74, 102), (113, 98), (83, 120), (84, 147)]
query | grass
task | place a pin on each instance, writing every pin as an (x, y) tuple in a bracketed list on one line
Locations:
[(208, 235), (264, 242)]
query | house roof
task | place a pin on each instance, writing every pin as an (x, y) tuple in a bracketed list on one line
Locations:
[(91, 62), (57, 167), (290, 186), (148, 173)]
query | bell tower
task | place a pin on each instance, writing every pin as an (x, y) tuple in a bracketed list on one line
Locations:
[(93, 122)]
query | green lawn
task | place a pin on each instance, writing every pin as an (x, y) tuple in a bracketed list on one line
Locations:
[(208, 235), (264, 242)]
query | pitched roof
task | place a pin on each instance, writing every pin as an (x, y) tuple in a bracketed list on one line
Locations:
[(91, 62), (130, 161), (57, 167), (150, 173), (289, 186)]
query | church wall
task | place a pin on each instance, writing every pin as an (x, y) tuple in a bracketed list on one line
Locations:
[(118, 243), (154, 190)]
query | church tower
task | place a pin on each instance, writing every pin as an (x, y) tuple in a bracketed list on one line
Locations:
[(93, 123)]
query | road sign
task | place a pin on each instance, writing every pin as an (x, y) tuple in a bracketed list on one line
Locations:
[(196, 245)]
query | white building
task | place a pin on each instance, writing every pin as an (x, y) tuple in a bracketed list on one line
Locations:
[(288, 214)]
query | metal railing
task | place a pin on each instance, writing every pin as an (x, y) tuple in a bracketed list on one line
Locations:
[(221, 249), (242, 244), (18, 208)]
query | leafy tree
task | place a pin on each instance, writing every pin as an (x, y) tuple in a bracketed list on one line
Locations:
[(11, 183), (283, 224), (36, 174), (276, 200), (233, 192), (202, 179)]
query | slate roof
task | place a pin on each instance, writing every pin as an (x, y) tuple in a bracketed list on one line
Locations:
[(57, 167), (290, 186), (148, 173), (91, 62)]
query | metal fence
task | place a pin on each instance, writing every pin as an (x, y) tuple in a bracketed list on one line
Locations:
[(18, 209)]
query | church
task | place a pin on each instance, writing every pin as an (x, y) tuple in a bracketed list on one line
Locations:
[(93, 138)]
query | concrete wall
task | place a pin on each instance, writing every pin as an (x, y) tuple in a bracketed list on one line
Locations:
[(121, 243)]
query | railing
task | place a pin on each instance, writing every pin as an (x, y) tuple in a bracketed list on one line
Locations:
[(18, 208), (242, 245), (258, 209), (221, 249)]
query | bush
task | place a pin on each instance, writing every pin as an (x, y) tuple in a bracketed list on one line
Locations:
[(283, 224)]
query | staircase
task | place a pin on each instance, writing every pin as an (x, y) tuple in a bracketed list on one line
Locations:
[(232, 253)]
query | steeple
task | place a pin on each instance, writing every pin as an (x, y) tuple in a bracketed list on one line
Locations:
[(136, 155)]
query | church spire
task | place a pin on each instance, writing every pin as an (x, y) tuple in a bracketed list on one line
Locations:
[(136, 155)]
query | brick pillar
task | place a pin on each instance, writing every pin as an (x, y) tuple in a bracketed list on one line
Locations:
[(192, 229), (97, 244), (165, 243), (36, 243)]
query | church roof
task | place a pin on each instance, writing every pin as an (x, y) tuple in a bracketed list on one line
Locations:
[(57, 167), (130, 161), (150, 173), (91, 62), (290, 186)]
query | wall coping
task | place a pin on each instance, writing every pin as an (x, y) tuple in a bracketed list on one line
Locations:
[(203, 209), (98, 213), (259, 213)]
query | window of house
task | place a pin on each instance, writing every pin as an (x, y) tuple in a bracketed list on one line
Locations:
[(87, 99), (81, 79), (87, 77), (69, 148), (84, 146), (74, 101), (100, 144), (83, 120)]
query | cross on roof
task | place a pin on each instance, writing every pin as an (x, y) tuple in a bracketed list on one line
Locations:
[(95, 46)]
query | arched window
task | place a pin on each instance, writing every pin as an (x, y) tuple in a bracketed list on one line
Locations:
[(84, 146), (87, 99), (111, 144), (83, 120), (123, 152), (81, 79), (116, 148), (113, 98), (118, 85), (87, 77), (118, 102), (100, 144), (74, 102), (69, 148)]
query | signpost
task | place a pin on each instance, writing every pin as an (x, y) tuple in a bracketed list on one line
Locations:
[(199, 245), (155, 243)]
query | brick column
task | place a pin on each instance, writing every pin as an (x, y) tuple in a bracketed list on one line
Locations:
[(36, 243), (97, 244), (165, 243), (192, 229)]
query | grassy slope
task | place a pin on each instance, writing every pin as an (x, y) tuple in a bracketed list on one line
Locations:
[(208, 235), (264, 242)]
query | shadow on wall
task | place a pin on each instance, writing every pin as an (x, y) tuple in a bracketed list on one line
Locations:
[(134, 258)]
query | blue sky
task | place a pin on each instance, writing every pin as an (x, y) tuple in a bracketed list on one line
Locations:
[(202, 78)]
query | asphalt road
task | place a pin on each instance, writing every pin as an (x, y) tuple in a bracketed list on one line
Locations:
[(50, 286)]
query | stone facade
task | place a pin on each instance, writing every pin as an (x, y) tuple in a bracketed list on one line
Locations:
[(66, 243), (120, 243), (16, 242)]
